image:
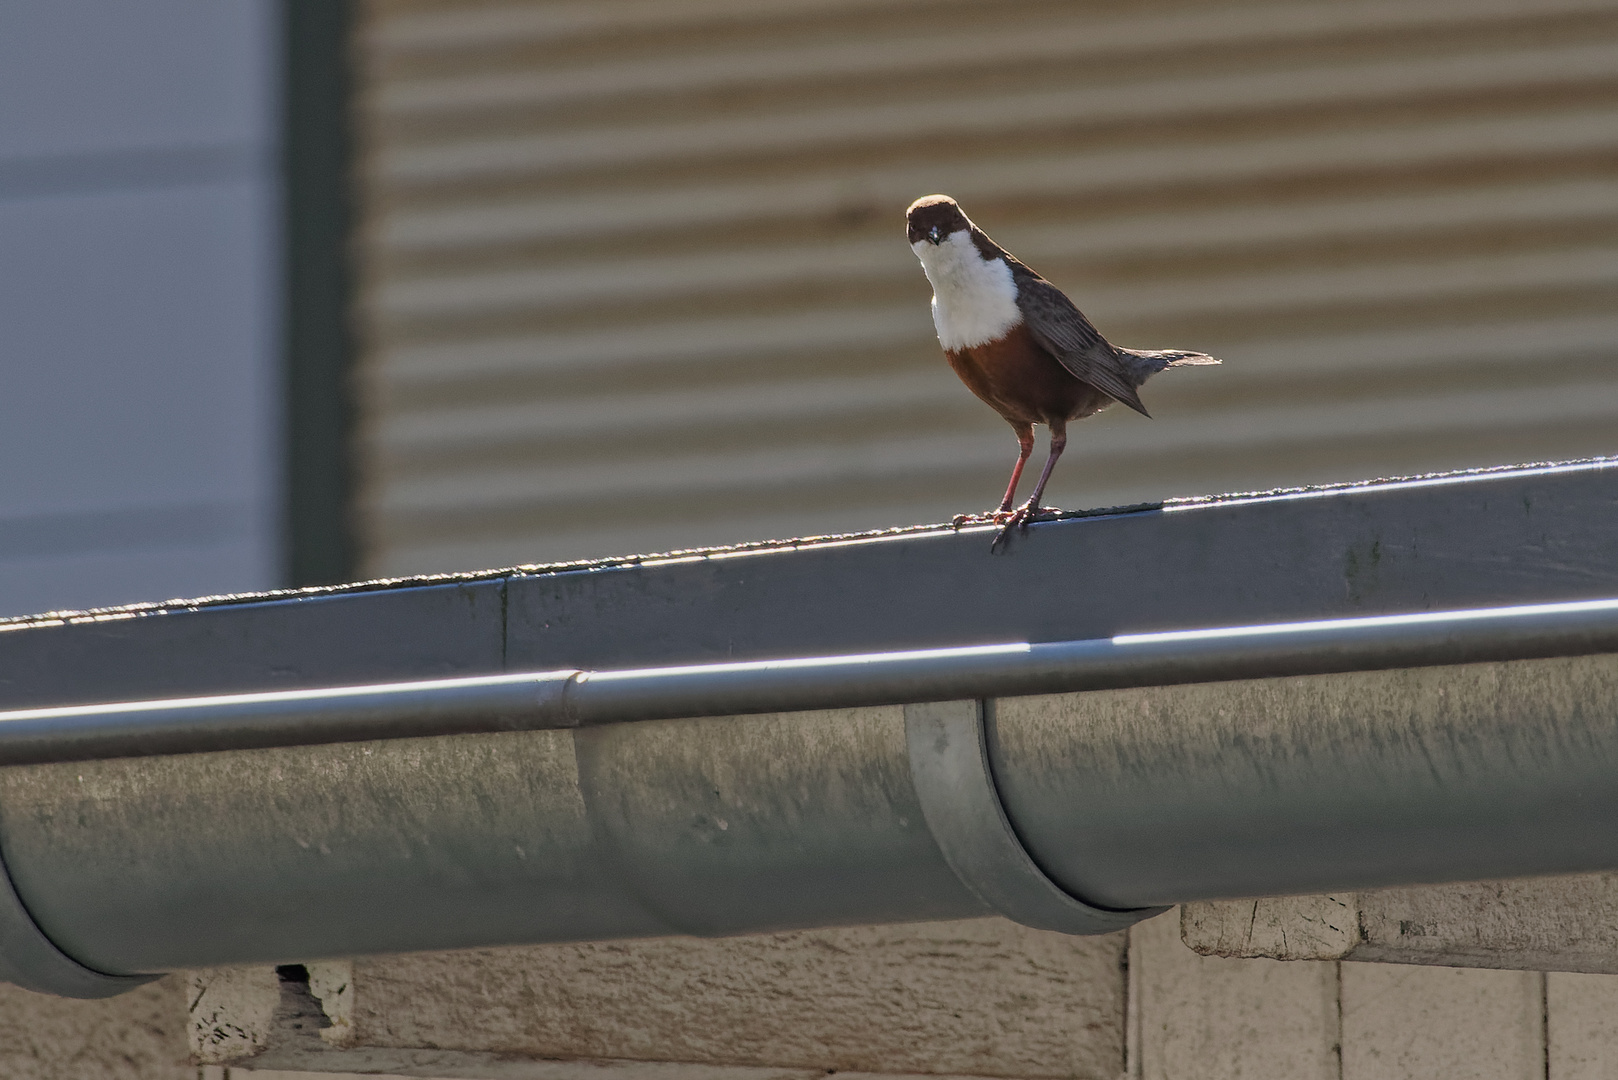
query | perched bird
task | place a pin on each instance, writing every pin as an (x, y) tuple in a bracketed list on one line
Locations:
[(1020, 344)]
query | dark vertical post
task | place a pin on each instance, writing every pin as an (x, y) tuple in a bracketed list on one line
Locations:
[(318, 205)]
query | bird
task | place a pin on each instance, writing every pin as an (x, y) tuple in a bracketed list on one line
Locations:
[(1021, 345)]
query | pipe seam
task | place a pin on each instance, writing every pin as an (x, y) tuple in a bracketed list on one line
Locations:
[(32, 960), (950, 767)]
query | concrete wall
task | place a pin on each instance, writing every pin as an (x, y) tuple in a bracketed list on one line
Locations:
[(1217, 1017), (1563, 923), (137, 1036), (982, 998)]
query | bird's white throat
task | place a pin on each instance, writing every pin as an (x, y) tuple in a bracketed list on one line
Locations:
[(974, 299)]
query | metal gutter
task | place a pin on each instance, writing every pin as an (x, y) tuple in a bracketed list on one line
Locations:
[(1521, 536), (523, 809), (565, 699), (281, 779)]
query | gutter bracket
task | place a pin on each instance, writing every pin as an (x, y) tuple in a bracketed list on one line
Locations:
[(32, 961), (949, 765)]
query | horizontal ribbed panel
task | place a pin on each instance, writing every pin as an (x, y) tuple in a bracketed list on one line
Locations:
[(636, 275)]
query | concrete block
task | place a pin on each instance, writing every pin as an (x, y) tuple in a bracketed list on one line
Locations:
[(979, 998), (1581, 1020), (237, 1014), (1280, 928), (1212, 1018), (135, 1036), (1567, 923), (1410, 1023)]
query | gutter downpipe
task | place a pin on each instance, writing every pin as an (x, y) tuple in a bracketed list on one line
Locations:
[(968, 807)]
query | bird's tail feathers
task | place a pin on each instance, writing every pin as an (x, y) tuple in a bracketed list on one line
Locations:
[(1183, 358), (1144, 363)]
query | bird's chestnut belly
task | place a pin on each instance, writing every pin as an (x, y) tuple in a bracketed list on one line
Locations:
[(1024, 383)]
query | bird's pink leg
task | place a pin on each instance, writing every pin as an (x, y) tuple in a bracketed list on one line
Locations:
[(1058, 444), (1025, 449), (1031, 509)]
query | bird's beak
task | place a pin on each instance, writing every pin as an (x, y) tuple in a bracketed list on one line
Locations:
[(935, 235)]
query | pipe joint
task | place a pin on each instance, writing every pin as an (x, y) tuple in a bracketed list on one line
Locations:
[(949, 764), (32, 961)]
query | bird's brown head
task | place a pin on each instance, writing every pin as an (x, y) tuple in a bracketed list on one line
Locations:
[(934, 218)]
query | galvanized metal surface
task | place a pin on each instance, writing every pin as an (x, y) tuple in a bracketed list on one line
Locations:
[(1171, 658), (949, 763), (1278, 786), (1509, 537), (31, 960), (687, 826), (784, 820), (422, 631), (562, 699), (286, 718), (1512, 537), (1122, 798), (277, 855)]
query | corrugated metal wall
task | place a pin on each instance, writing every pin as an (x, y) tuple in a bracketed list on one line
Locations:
[(636, 273)]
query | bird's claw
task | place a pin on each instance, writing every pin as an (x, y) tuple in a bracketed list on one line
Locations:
[(991, 517), (1020, 519)]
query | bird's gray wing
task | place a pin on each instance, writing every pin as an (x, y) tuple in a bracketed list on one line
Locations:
[(1066, 334)]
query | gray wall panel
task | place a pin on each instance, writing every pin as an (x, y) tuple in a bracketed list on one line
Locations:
[(139, 402), (81, 77), (136, 349)]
